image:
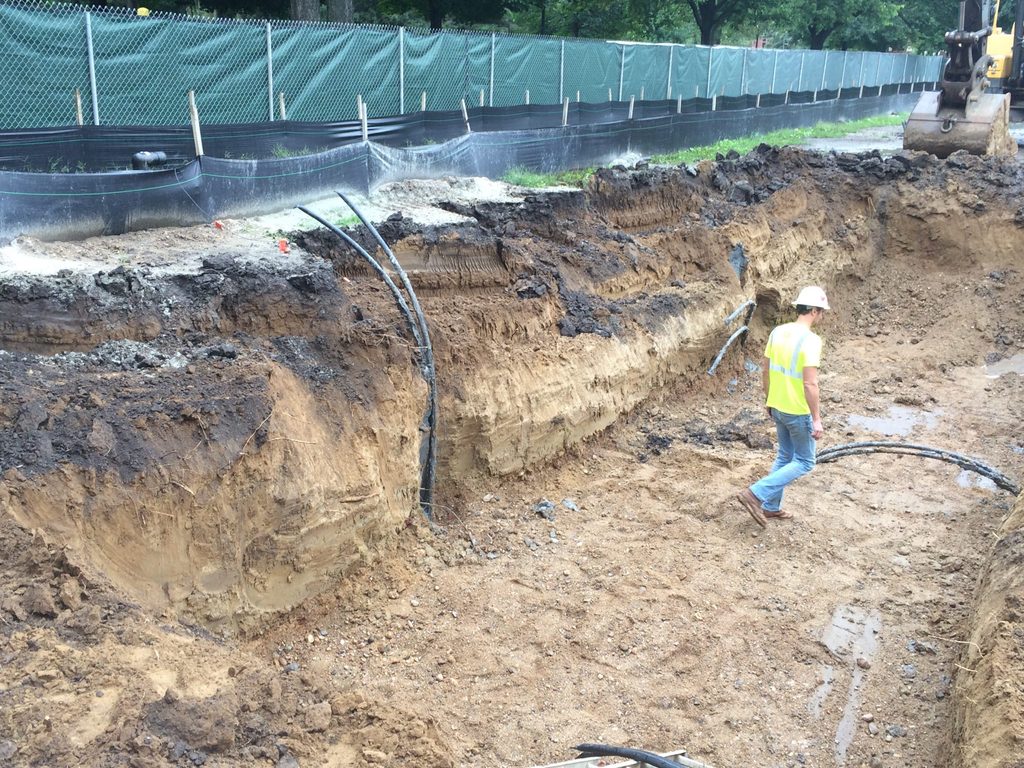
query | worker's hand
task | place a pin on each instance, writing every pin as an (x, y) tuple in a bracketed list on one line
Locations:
[(817, 430)]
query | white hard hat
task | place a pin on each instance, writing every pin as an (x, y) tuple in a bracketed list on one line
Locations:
[(812, 296)]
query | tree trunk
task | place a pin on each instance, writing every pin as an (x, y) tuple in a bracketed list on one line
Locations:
[(707, 32), (435, 13), (543, 18), (305, 10), (817, 38), (339, 10)]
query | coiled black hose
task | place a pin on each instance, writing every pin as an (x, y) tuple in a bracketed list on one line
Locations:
[(639, 755), (912, 449)]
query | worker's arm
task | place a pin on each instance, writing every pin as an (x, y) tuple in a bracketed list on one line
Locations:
[(813, 401), (765, 379)]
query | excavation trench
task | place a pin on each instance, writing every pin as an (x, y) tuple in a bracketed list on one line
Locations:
[(204, 437)]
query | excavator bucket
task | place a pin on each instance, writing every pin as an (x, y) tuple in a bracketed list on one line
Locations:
[(981, 128)]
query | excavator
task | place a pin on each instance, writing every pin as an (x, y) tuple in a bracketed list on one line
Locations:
[(981, 78)]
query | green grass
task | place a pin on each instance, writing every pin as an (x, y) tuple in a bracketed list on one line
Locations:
[(344, 222), (521, 177), (783, 138)]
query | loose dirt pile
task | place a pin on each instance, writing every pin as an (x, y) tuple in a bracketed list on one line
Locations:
[(213, 552)]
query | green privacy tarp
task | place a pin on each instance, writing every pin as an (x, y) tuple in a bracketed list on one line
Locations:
[(690, 71), (42, 62), (645, 71), (788, 71), (759, 67), (813, 64), (145, 68), (726, 71), (478, 70), (323, 69), (436, 64), (835, 62), (526, 64), (591, 67)]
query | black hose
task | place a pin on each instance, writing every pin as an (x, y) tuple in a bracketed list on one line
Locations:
[(429, 474), (417, 328), (718, 358), (913, 449), (413, 326), (639, 755)]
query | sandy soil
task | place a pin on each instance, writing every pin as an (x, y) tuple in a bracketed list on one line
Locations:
[(212, 548)]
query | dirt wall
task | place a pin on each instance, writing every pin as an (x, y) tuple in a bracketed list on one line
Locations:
[(988, 729)]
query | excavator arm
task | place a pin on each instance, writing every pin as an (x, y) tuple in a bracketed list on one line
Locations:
[(962, 114)]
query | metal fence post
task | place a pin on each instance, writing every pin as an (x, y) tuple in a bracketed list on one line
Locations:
[(561, 73), (493, 37), (622, 67), (906, 63), (743, 73), (401, 70), (270, 74), (707, 91), (775, 69), (800, 77), (92, 69), (824, 71), (668, 88), (842, 77)]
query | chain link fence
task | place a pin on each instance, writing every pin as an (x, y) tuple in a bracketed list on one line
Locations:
[(65, 64)]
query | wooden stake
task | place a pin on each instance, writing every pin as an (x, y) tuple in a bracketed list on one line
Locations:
[(280, 106), (679, 105), (423, 102), (481, 97), (197, 135), (78, 107), (363, 120), (565, 112), (630, 106), (465, 116), (527, 96), (577, 97)]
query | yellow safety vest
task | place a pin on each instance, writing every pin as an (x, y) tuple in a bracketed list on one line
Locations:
[(790, 348)]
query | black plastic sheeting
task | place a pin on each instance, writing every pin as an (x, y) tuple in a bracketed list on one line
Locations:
[(76, 205)]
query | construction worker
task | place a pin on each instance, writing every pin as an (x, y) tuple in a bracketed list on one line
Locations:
[(790, 381)]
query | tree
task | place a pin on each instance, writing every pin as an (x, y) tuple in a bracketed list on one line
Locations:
[(861, 24), (711, 15), (340, 10), (305, 10)]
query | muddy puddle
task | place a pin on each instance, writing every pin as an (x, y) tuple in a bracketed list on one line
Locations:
[(899, 421), (214, 546)]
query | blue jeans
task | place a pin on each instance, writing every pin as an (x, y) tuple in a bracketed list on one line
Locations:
[(795, 459)]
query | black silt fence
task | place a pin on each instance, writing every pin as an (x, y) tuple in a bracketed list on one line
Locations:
[(235, 184)]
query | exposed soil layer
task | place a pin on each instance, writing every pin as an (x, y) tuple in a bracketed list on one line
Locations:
[(212, 546)]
